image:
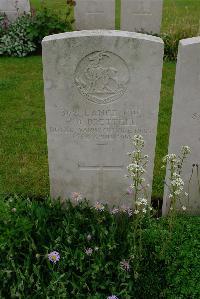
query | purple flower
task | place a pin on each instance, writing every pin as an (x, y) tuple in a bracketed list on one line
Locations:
[(126, 209), (125, 265), (89, 251), (112, 297), (129, 191), (54, 257)]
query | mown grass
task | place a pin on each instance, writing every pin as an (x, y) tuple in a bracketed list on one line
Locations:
[(23, 150)]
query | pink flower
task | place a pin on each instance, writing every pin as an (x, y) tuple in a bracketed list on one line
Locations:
[(126, 209), (129, 191), (125, 265), (99, 206), (76, 196), (115, 211)]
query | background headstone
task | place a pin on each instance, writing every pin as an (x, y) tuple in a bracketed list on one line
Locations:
[(185, 126), (13, 8), (94, 14), (141, 15), (101, 88)]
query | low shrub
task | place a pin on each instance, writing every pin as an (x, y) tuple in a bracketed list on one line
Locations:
[(15, 39), (46, 22), (24, 36)]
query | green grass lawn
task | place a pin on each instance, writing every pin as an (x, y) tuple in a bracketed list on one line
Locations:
[(23, 149)]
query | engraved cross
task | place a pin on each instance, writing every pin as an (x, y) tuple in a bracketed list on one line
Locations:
[(143, 9), (100, 169)]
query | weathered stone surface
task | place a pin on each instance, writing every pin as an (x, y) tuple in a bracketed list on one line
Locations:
[(141, 15), (13, 8), (101, 88), (185, 127), (94, 14)]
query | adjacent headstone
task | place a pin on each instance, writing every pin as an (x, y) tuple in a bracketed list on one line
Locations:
[(13, 9), (185, 127), (101, 88), (94, 14), (141, 15)]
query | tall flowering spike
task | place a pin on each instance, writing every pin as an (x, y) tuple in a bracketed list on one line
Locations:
[(174, 182), (137, 169), (54, 257), (112, 297)]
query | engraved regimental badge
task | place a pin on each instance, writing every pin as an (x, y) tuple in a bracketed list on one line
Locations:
[(102, 77)]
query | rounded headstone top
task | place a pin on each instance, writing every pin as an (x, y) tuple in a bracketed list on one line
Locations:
[(103, 33)]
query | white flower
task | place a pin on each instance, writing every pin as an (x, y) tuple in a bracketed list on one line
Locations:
[(185, 150), (186, 194), (144, 201), (184, 208), (144, 211), (170, 158), (136, 212)]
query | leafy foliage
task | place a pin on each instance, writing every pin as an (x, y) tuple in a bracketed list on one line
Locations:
[(46, 22), (24, 36), (30, 229), (15, 41)]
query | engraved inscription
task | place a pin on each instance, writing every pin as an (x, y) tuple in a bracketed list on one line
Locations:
[(102, 77), (196, 116), (100, 124)]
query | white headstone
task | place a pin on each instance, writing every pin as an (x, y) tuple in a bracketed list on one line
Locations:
[(13, 9), (101, 88), (185, 126), (94, 14), (141, 15)]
